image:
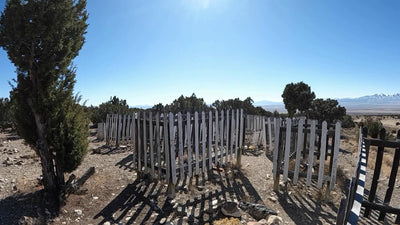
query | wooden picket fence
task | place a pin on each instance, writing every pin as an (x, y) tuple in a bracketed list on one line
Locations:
[(306, 143), (174, 146), (350, 206)]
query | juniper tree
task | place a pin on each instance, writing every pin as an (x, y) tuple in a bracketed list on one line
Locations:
[(41, 38), (297, 96)]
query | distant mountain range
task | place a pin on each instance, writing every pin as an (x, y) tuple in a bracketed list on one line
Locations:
[(370, 104)]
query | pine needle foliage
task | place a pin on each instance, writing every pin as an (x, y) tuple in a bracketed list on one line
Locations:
[(41, 38)]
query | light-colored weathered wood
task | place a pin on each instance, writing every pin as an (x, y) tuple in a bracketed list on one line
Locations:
[(264, 133), (311, 153), (299, 146), (134, 141), (227, 136), (275, 169), (335, 156), (180, 133), (123, 135), (216, 145), (139, 150), (166, 148), (145, 142), (172, 147), (196, 140), (324, 132), (269, 133), (189, 144), (221, 127), (151, 143), (287, 148), (232, 133), (241, 128), (203, 140), (237, 133), (210, 136), (158, 147)]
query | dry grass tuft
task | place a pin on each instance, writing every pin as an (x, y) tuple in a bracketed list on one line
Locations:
[(227, 221)]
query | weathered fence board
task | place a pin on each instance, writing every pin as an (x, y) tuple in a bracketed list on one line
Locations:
[(291, 143)]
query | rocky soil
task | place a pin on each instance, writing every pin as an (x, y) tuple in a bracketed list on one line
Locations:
[(114, 194)]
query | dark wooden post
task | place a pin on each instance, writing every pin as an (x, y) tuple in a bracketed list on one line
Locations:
[(377, 170), (392, 179)]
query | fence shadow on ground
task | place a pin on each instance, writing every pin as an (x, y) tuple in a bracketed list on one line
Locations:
[(145, 202), (17, 206), (303, 208)]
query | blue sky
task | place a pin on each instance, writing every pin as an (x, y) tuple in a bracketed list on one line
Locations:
[(153, 51)]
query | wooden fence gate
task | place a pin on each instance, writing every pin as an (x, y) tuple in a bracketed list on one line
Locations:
[(350, 206), (305, 142)]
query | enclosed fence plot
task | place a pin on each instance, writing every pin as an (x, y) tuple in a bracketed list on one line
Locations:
[(303, 148), (174, 146), (350, 211)]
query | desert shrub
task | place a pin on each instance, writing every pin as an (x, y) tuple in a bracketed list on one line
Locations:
[(347, 122), (374, 126)]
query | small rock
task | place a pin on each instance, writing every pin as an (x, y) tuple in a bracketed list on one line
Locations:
[(268, 176), (106, 223), (274, 220), (128, 218), (78, 211), (95, 197), (214, 202), (200, 188), (230, 209), (272, 199)]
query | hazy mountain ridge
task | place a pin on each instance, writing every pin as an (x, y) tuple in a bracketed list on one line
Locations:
[(369, 104)]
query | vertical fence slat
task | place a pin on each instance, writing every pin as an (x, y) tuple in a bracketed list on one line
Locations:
[(139, 150), (189, 144), (269, 133), (287, 148), (336, 155), (134, 140), (196, 140), (181, 165), (241, 128), (144, 142), (275, 154), (172, 147), (222, 137), (216, 138), (237, 133), (166, 147), (203, 140), (227, 137), (311, 153), (299, 145), (151, 142), (210, 140), (264, 133), (322, 155), (158, 134), (232, 133)]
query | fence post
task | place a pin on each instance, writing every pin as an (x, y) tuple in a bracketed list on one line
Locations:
[(275, 170)]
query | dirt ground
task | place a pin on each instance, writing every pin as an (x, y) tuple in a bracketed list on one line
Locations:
[(116, 196)]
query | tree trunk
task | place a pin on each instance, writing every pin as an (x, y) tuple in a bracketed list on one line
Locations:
[(50, 181)]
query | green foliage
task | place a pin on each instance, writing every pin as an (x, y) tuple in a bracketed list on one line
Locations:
[(246, 105), (374, 126), (42, 38), (6, 118), (326, 110), (183, 104), (113, 106), (297, 96), (348, 122)]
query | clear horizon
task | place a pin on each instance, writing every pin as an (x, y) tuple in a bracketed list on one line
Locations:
[(153, 51)]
